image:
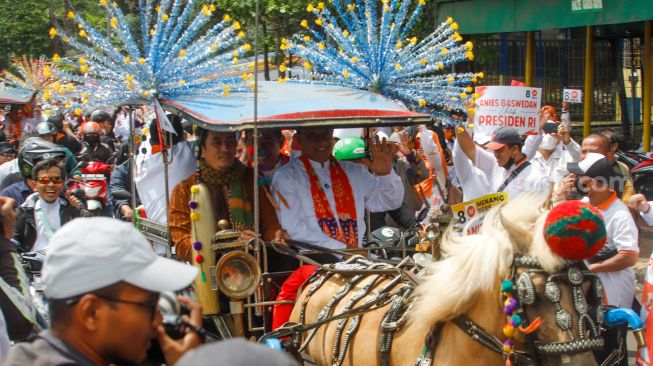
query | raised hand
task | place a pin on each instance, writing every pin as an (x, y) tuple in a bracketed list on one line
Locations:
[(639, 203), (382, 153), (563, 133), (404, 146)]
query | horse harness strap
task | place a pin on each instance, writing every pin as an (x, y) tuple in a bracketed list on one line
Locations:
[(347, 271), (430, 344), (477, 333), (373, 295)]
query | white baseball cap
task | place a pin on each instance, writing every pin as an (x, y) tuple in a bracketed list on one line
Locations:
[(88, 254)]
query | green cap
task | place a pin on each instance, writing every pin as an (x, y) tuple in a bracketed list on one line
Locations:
[(349, 148)]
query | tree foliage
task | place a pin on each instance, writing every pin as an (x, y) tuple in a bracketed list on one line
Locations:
[(24, 24)]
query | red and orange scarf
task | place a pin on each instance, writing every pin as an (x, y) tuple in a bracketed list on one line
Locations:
[(347, 230)]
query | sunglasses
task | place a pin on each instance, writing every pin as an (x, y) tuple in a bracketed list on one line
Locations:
[(47, 180)]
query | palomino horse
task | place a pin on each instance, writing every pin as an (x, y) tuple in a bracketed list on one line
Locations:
[(455, 315)]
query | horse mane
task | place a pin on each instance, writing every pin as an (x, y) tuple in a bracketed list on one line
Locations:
[(473, 264)]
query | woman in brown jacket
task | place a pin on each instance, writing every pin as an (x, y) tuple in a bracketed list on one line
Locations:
[(231, 188)]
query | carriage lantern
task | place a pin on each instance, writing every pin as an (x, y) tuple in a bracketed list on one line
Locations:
[(237, 273)]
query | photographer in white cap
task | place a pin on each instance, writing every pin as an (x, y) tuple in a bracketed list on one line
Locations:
[(102, 281)]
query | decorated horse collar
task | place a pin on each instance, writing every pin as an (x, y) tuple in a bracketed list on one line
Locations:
[(590, 316), (518, 291)]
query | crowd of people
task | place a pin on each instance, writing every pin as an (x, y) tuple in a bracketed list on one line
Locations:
[(316, 185)]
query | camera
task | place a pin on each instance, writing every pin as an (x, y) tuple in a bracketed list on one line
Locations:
[(550, 127), (170, 311)]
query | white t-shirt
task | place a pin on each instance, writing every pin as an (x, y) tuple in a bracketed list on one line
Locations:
[(472, 180), (121, 127), (622, 235), (51, 214), (529, 179)]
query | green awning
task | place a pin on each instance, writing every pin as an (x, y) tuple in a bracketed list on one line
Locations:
[(498, 16)]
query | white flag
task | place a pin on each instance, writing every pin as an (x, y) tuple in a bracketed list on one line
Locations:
[(164, 122)]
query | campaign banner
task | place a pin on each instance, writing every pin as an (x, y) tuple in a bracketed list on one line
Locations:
[(572, 95), (476, 209), (513, 106)]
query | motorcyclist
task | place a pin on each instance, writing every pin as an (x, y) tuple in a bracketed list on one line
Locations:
[(48, 132), (65, 136), (94, 149), (45, 211), (106, 123), (34, 150)]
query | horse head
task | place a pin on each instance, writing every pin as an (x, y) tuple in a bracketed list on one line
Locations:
[(557, 302)]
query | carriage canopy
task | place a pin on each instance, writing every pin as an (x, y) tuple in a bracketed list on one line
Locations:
[(294, 105), (16, 95)]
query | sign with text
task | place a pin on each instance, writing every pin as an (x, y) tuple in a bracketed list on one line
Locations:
[(572, 95), (583, 6), (476, 209), (514, 106)]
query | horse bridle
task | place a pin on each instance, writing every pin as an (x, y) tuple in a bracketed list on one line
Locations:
[(590, 316)]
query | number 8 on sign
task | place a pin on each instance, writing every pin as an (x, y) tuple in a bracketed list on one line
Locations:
[(461, 217)]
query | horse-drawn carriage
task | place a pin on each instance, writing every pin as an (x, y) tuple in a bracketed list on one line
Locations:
[(497, 296), (238, 290)]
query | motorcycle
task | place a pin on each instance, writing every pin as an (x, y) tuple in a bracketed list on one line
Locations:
[(91, 190), (642, 174), (393, 243)]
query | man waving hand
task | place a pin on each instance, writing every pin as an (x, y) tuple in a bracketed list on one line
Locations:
[(322, 201)]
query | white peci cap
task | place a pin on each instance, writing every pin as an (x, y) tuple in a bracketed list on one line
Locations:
[(88, 254)]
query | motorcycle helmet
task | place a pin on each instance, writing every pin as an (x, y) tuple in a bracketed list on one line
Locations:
[(34, 150), (100, 116), (349, 148), (91, 128), (45, 128), (57, 121)]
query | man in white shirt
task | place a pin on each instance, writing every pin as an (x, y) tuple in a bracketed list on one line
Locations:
[(121, 127), (556, 150), (323, 201), (614, 262), (506, 164)]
